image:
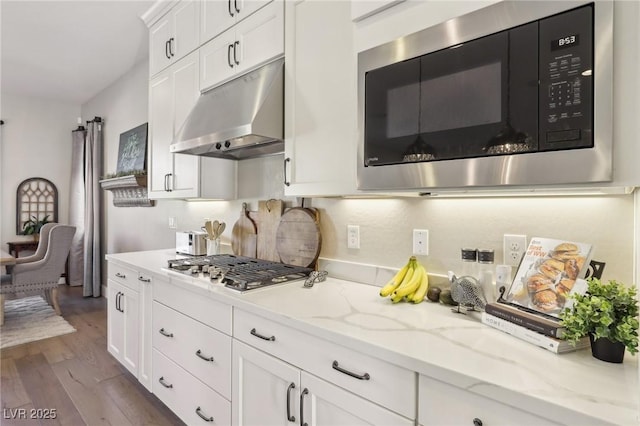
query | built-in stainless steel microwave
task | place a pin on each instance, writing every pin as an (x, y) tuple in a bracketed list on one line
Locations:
[(516, 94)]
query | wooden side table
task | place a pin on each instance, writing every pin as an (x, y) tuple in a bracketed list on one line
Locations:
[(15, 247)]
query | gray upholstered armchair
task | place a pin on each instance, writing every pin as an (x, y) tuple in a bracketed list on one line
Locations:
[(40, 273)]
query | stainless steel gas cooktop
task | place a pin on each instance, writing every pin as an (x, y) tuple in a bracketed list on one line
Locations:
[(239, 272)]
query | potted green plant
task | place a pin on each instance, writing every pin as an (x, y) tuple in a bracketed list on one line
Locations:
[(33, 226), (608, 314)]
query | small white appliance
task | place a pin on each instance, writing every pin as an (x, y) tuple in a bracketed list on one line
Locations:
[(191, 242)]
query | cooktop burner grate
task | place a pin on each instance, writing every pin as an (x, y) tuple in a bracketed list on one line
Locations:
[(239, 272)]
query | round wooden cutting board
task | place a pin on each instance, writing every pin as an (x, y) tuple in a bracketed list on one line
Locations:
[(298, 238)]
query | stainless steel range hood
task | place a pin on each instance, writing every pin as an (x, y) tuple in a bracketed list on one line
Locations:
[(242, 118)]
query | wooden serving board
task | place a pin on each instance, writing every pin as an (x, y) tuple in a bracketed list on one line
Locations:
[(298, 238), (269, 214), (243, 235)]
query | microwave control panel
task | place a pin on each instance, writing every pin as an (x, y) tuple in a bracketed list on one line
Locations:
[(566, 80)]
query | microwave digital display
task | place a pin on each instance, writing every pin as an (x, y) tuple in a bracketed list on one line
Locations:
[(564, 42)]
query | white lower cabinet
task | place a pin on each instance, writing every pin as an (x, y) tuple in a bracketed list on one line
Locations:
[(443, 404), (123, 325), (192, 354), (276, 369), (128, 318), (193, 401), (269, 391)]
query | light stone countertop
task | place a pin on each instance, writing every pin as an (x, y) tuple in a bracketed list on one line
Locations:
[(430, 339)]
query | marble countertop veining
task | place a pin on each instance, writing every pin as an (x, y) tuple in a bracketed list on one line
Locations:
[(573, 388)]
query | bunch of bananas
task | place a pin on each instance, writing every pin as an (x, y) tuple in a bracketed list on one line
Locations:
[(410, 283)]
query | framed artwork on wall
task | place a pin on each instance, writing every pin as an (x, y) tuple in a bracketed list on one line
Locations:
[(132, 152)]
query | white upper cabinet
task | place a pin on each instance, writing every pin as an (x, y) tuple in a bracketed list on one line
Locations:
[(220, 15), (320, 99), (176, 34), (172, 94), (243, 47)]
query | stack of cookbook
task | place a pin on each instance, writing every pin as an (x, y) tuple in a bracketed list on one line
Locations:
[(550, 271)]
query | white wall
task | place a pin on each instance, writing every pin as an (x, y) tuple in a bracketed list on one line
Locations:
[(35, 142)]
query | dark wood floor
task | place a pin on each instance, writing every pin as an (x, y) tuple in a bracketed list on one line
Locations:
[(75, 375)]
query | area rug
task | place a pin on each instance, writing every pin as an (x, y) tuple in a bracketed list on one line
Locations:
[(29, 319)]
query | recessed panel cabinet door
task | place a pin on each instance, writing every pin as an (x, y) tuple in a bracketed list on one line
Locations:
[(159, 36), (186, 173), (260, 37), (160, 160), (115, 321), (320, 99), (266, 390), (217, 17), (325, 404), (216, 60)]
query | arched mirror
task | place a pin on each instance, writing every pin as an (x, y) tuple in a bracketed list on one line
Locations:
[(36, 204)]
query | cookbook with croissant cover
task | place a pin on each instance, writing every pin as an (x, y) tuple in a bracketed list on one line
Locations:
[(550, 271)]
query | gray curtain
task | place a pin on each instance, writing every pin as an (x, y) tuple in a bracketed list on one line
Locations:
[(84, 209)]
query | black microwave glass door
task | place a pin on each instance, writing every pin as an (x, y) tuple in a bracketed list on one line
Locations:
[(472, 100)]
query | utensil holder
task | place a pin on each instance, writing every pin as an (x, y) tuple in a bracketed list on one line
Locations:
[(213, 246)]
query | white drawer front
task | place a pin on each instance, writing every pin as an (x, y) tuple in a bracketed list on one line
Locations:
[(123, 275), (201, 350), (443, 404), (386, 384), (186, 396), (199, 307)]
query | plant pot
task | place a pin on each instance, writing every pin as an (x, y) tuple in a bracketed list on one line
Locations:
[(606, 350)]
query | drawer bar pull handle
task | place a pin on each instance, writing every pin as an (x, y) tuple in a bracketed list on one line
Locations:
[(302, 394), (144, 280), (255, 333), (364, 376), (291, 387), (164, 333), (202, 416), (477, 422), (206, 358), (119, 275), (165, 384)]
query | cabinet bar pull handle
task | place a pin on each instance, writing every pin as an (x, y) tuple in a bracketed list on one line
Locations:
[(119, 275), (118, 301), (304, 392), (235, 43), (477, 422), (286, 160), (206, 358), (235, 6), (166, 182), (202, 416), (229, 7), (229, 47), (171, 40), (164, 333), (165, 384), (144, 280), (364, 376), (255, 333), (166, 49), (169, 182), (289, 389)]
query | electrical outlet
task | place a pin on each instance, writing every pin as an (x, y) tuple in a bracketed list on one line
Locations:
[(353, 236), (421, 242), (514, 247), (173, 223)]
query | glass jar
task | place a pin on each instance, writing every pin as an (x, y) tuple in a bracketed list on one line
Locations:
[(486, 272)]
